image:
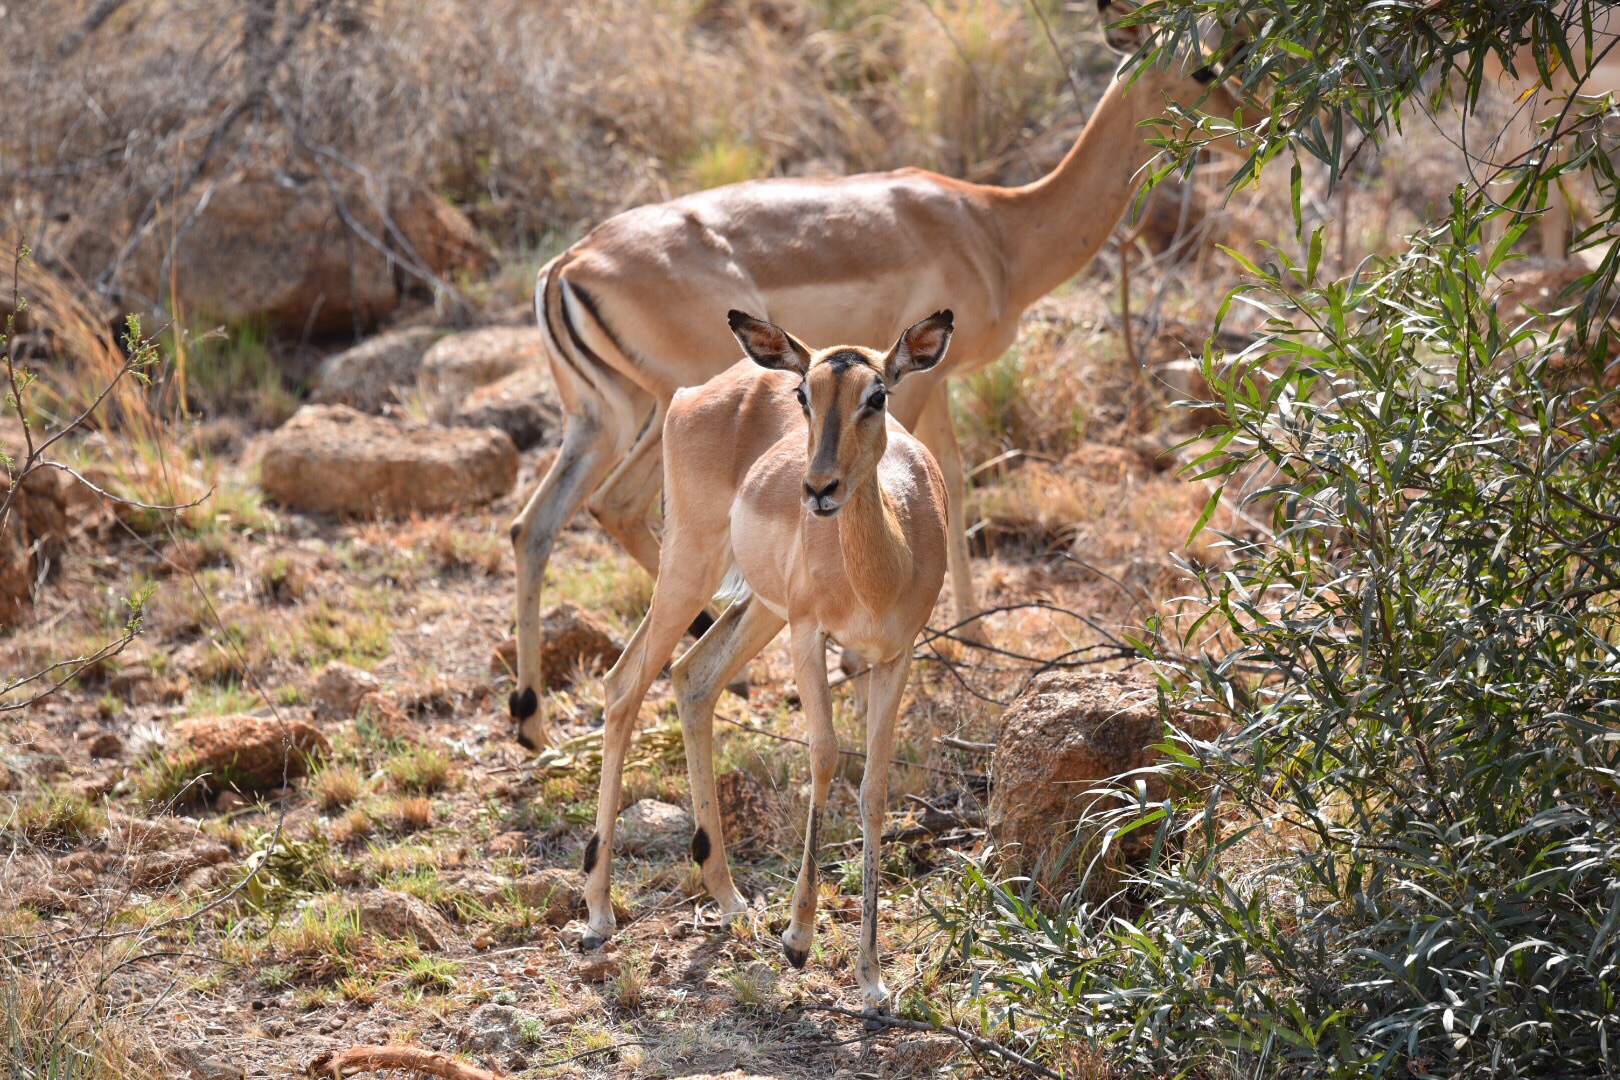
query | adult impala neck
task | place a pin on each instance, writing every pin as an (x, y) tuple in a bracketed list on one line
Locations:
[(1056, 225), (877, 559)]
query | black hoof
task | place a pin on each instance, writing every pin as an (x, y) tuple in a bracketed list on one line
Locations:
[(591, 942), (523, 706), (796, 957), (874, 1021)]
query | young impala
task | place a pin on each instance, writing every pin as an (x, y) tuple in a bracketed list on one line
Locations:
[(635, 310), (835, 521)]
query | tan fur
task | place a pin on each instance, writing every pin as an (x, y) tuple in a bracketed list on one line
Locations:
[(836, 520), (635, 310), (1597, 72)]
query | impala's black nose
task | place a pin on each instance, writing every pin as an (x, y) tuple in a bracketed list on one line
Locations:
[(822, 493)]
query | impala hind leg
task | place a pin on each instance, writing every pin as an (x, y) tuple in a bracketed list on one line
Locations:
[(679, 595), (586, 454), (888, 685), (810, 671), (742, 630), (935, 431), (623, 504)]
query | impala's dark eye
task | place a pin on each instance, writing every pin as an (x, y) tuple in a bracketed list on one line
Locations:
[(804, 402), (875, 402)]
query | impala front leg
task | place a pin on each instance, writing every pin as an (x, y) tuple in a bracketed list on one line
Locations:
[(810, 670), (888, 684), (743, 630)]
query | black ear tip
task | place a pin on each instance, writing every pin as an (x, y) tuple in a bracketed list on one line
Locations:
[(946, 316), (736, 318), (1102, 5)]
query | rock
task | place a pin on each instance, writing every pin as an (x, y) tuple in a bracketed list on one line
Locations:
[(495, 1029), (555, 891), (141, 835), (247, 752), (459, 364), (308, 274), (651, 826), (509, 844), (332, 459), (164, 869), (339, 690), (1067, 731), (372, 374), (572, 639), (398, 915), (191, 1062), (597, 967), (523, 404), (745, 813), (32, 540), (142, 686), (105, 744)]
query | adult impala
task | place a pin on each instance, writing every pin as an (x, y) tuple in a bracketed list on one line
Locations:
[(636, 310), (835, 522)]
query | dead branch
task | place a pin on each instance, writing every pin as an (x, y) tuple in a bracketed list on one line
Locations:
[(357, 1059)]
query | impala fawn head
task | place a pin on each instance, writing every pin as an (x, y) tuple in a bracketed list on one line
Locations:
[(844, 392)]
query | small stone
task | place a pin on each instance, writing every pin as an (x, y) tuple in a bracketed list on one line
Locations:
[(229, 802), (494, 1029), (193, 1063), (523, 404), (554, 890), (105, 744), (651, 826), (571, 935), (164, 869), (509, 844), (596, 967), (339, 690), (399, 915), (572, 640)]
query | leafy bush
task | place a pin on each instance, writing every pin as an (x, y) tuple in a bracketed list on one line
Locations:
[(1407, 856)]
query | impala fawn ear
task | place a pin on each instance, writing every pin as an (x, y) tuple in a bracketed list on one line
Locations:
[(921, 347), (1122, 39), (769, 345)]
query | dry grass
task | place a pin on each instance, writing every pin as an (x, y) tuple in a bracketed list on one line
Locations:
[(59, 1028)]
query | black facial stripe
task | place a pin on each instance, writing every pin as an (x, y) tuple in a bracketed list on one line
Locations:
[(1204, 75)]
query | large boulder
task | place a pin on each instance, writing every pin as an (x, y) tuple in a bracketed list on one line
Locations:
[(371, 375), (250, 752), (1067, 732), (459, 364), (273, 245), (32, 536), (523, 404), (332, 459)]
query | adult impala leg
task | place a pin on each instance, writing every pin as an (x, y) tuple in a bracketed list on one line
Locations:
[(810, 671), (934, 429), (677, 597), (888, 685), (742, 630), (586, 453)]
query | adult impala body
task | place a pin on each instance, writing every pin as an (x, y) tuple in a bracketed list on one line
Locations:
[(834, 517), (636, 310)]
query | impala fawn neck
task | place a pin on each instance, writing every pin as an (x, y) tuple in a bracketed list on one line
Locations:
[(877, 559), (1056, 225)]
